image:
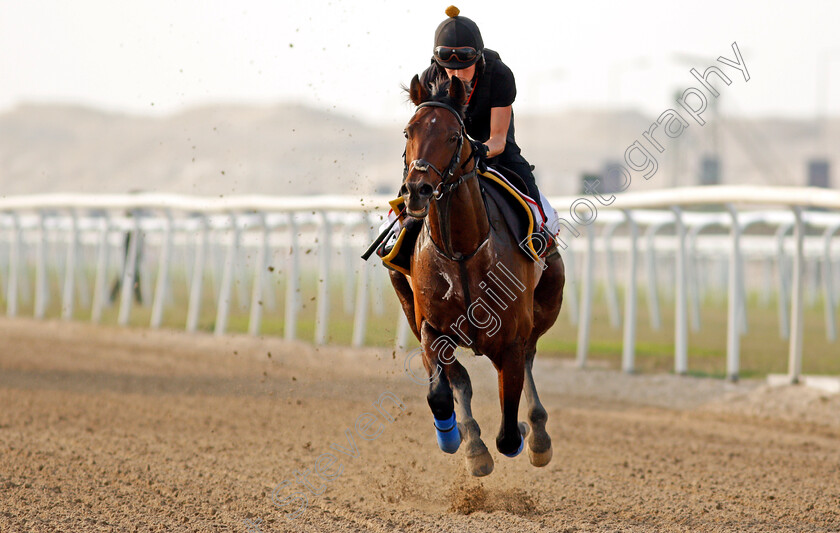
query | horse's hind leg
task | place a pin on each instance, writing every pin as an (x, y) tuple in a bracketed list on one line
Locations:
[(548, 297), (539, 443), (509, 441), (479, 460)]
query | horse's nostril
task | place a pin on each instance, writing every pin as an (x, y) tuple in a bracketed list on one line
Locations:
[(403, 190), (425, 190)]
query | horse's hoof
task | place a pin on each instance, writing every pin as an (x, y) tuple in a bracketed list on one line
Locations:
[(517, 452), (480, 465), (539, 458)]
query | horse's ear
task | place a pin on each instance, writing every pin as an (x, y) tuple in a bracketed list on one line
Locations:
[(457, 90), (417, 91)]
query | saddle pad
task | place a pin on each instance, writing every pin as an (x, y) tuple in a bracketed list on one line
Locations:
[(514, 209), (396, 260), (517, 184), (513, 179)]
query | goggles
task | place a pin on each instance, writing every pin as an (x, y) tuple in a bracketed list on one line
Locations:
[(462, 54)]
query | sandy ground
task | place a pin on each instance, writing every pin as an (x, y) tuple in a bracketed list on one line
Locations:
[(107, 429)]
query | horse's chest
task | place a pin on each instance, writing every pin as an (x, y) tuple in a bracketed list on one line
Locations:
[(438, 286)]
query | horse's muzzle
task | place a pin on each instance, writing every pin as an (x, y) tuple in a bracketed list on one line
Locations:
[(417, 195)]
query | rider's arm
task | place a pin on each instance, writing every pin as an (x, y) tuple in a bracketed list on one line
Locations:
[(499, 124)]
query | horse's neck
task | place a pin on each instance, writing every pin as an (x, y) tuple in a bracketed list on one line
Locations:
[(466, 226)]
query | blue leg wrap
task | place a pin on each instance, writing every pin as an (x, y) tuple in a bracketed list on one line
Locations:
[(517, 452), (448, 436)]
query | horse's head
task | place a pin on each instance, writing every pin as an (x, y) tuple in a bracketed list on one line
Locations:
[(435, 142)]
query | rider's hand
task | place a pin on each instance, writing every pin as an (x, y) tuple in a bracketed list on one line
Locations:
[(480, 150), (480, 153)]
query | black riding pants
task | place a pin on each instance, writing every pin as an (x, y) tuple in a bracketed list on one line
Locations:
[(518, 164)]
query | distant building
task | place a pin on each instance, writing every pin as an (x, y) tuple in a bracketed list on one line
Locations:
[(819, 173), (710, 170)]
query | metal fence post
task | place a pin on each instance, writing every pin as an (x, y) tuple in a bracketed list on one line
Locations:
[(292, 283), (41, 289), (611, 289), (693, 275), (70, 270), (348, 287), (571, 299), (652, 289), (402, 331), (828, 285), (733, 332), (14, 267), (258, 288), (796, 309), (362, 295), (585, 319), (163, 273), (782, 288), (628, 355), (680, 307), (322, 313), (226, 289), (128, 274), (99, 291), (197, 278)]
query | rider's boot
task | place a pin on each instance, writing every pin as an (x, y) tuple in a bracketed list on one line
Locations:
[(411, 226)]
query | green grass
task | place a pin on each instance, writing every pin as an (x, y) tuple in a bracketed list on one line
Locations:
[(762, 350)]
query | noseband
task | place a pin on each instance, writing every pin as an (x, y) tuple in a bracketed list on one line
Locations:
[(423, 166)]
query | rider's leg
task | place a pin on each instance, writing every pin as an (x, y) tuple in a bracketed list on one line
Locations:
[(412, 227), (518, 164)]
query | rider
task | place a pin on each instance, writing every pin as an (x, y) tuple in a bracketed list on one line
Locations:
[(459, 51)]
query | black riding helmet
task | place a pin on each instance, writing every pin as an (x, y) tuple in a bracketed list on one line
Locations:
[(458, 42)]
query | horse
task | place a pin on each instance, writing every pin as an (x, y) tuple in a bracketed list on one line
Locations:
[(469, 285)]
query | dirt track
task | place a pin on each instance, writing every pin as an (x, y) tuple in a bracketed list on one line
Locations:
[(105, 429)]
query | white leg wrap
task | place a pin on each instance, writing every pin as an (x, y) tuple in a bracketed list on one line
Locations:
[(552, 218)]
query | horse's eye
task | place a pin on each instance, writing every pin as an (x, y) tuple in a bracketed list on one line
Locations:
[(454, 138), (405, 134)]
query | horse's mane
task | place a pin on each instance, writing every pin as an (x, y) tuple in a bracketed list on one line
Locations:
[(439, 92)]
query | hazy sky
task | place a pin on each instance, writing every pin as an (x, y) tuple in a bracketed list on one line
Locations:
[(159, 56)]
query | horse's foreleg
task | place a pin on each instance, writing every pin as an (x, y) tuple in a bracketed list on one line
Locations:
[(440, 392), (511, 373), (539, 443), (479, 460), (406, 297)]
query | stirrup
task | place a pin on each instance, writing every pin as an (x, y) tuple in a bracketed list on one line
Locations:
[(397, 255), (551, 248), (387, 244)]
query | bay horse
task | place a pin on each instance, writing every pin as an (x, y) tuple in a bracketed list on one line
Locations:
[(470, 285)]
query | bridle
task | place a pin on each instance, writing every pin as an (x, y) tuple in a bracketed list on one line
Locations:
[(445, 187), (422, 165)]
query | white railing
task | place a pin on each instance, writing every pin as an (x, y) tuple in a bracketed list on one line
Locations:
[(236, 239)]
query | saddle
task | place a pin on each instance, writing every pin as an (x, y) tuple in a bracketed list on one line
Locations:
[(520, 213)]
